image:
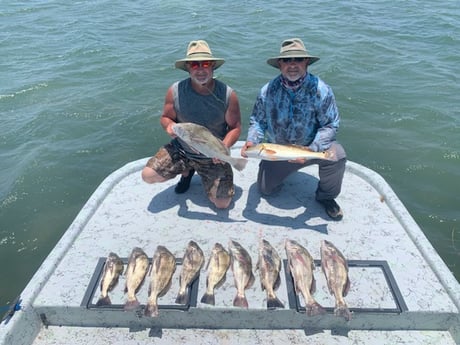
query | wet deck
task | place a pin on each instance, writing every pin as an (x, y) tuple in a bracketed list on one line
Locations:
[(401, 291)]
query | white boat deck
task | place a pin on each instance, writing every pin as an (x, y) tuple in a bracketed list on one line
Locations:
[(401, 291)]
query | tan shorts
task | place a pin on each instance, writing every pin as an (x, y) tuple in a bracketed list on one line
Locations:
[(217, 179)]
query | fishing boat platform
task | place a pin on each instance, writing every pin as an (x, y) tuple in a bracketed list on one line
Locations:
[(401, 290)]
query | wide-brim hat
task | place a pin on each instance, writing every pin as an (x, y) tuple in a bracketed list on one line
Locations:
[(198, 51), (292, 48)]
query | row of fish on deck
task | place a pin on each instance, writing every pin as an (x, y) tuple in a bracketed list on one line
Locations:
[(300, 264)]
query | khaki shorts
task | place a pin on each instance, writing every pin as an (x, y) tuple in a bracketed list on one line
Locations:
[(217, 179)]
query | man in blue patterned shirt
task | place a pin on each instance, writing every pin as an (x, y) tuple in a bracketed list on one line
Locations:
[(298, 108)]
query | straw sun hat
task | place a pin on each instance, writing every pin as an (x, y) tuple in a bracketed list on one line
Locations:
[(198, 51), (292, 48)]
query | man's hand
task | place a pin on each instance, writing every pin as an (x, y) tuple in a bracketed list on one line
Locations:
[(245, 147), (169, 129), (217, 161)]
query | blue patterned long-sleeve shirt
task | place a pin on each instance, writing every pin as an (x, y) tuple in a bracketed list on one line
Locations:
[(307, 116)]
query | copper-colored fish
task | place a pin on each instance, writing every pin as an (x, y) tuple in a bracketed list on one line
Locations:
[(301, 267), (278, 152), (335, 268)]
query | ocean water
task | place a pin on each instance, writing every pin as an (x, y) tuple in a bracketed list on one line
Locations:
[(83, 82)]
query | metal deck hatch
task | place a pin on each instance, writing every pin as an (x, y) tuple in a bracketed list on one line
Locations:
[(381, 267)]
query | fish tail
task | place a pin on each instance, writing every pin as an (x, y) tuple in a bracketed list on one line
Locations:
[(151, 310), (208, 298), (314, 309), (131, 305), (182, 298), (240, 163), (104, 301), (331, 154), (342, 310), (240, 301), (274, 302)]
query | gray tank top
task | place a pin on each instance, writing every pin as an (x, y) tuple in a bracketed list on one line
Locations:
[(206, 110)]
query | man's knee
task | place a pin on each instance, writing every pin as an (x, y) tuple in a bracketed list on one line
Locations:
[(269, 191), (151, 176), (221, 203)]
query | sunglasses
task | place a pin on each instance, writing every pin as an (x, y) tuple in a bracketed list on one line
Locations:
[(197, 64), (289, 60)]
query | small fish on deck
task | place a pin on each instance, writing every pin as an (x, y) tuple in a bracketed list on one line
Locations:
[(278, 152), (217, 267), (202, 140), (335, 268), (138, 266), (192, 263), (163, 268), (113, 268), (301, 267), (269, 267), (241, 264)]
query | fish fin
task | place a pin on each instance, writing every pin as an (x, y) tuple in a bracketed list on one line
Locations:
[(221, 282), (194, 149), (269, 151), (296, 289), (104, 301), (313, 285), (209, 261), (198, 137), (151, 310), (314, 309), (240, 163), (288, 268), (142, 281), (346, 288), (342, 310), (331, 154), (131, 305), (165, 289), (182, 298), (240, 301), (329, 286), (140, 285), (300, 147), (208, 299), (101, 284), (251, 281), (277, 282), (113, 284), (331, 290), (274, 302)]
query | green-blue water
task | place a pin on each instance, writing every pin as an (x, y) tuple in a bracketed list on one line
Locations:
[(82, 85)]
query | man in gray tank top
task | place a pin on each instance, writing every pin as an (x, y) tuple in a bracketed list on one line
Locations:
[(203, 100)]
